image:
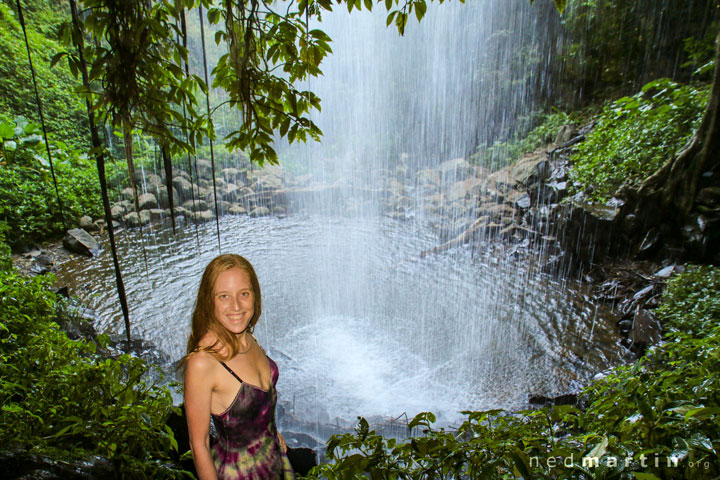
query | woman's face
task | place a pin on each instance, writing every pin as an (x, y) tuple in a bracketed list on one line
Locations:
[(234, 299)]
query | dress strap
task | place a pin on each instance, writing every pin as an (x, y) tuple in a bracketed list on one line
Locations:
[(231, 372)]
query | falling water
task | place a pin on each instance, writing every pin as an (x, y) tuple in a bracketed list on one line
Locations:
[(359, 322)]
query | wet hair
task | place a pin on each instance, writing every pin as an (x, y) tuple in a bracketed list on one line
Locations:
[(203, 316)]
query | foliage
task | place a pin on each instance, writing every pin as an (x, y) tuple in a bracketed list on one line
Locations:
[(658, 418), (29, 203), (64, 112), (635, 135), (60, 394), (501, 154)]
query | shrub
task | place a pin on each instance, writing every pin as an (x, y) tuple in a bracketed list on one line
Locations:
[(635, 135), (58, 394), (28, 201)]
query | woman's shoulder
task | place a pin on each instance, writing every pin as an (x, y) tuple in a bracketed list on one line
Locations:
[(201, 361)]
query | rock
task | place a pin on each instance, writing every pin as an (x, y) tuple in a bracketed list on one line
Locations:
[(144, 217), (278, 210), (147, 201), (501, 180), (182, 174), (455, 169), (18, 464), (157, 214), (665, 272), (531, 169), (229, 192), (403, 202), (183, 187), (154, 180), (232, 175), (100, 224), (79, 241), (86, 223), (496, 211), (204, 216), (42, 264), (566, 399), (646, 329), (127, 194), (164, 199), (260, 212), (428, 177), (523, 203), (222, 205), (204, 168), (236, 209), (465, 188), (117, 211), (197, 205), (565, 133), (133, 219)]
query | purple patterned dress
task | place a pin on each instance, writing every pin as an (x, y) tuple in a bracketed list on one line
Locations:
[(247, 445)]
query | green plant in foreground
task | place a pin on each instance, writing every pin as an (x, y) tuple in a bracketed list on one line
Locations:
[(658, 418), (635, 135), (57, 394)]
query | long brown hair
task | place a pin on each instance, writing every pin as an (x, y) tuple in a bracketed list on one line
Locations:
[(203, 316)]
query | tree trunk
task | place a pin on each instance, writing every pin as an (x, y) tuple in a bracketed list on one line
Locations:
[(674, 187)]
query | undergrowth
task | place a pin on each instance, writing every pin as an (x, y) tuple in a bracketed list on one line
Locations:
[(635, 135), (59, 394)]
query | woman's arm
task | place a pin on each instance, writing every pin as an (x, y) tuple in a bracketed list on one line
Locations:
[(198, 393)]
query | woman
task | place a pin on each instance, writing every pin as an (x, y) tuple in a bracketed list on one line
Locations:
[(228, 377)]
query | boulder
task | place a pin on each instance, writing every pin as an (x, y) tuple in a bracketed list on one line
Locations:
[(133, 219), (454, 169), (147, 201), (260, 212), (465, 188), (154, 180), (428, 177), (196, 205), (502, 181), (127, 194), (117, 211), (565, 134), (531, 169), (204, 216), (204, 168), (79, 241), (236, 209), (229, 192), (157, 214), (183, 187), (86, 223)]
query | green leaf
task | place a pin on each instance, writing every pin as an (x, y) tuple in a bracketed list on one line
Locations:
[(420, 9), (702, 413), (560, 5), (7, 130), (599, 450)]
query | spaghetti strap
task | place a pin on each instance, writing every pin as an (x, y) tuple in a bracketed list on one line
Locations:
[(231, 372)]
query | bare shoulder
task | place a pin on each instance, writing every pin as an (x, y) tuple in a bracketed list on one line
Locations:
[(200, 362)]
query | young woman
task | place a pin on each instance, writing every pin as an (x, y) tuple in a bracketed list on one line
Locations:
[(229, 377)]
